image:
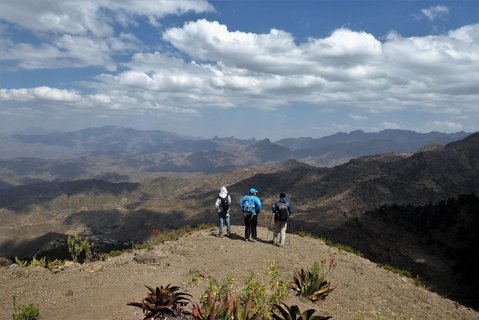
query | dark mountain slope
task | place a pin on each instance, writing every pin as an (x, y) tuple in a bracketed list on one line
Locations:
[(438, 242), (21, 197)]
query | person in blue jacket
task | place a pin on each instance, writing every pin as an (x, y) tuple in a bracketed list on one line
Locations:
[(250, 205)]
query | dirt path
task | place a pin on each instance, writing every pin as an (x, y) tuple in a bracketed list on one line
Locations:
[(101, 290)]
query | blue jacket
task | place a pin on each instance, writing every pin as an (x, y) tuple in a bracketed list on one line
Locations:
[(256, 201)]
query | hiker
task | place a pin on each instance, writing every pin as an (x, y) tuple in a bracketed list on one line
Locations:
[(250, 205), (282, 213), (223, 202)]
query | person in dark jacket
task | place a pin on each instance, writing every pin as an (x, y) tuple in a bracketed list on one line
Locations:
[(222, 205), (282, 212), (250, 205)]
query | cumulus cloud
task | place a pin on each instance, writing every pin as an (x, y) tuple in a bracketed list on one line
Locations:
[(76, 33), (432, 13), (443, 126), (39, 93), (212, 66), (357, 117), (348, 67), (390, 125), (78, 17)]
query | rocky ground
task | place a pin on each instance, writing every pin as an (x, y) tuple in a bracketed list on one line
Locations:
[(100, 290)]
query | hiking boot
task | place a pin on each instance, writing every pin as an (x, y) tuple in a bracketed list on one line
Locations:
[(228, 234), (252, 240)]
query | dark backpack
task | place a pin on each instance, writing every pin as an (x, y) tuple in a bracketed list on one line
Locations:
[(249, 207), (224, 205), (282, 214)]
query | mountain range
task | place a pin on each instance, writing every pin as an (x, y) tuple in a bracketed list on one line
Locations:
[(124, 154), (359, 202)]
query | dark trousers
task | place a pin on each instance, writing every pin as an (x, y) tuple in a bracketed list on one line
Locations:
[(250, 227)]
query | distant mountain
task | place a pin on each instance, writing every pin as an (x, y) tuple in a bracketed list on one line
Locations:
[(341, 147), (93, 152)]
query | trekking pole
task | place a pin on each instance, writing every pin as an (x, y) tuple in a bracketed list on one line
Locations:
[(269, 226)]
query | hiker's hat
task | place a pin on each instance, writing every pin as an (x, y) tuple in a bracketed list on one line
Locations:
[(252, 191)]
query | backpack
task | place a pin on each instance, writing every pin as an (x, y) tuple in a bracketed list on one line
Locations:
[(224, 205), (249, 207), (282, 214)]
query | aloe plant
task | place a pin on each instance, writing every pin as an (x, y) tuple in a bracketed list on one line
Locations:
[(163, 301), (293, 313), (311, 284)]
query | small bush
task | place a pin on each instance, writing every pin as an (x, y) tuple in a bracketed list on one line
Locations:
[(80, 248), (24, 312), (21, 263), (38, 262)]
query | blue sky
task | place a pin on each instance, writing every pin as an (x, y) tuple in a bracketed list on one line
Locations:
[(264, 69)]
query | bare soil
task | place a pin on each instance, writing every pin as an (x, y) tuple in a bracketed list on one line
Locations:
[(100, 290)]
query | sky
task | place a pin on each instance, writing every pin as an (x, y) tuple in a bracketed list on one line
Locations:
[(262, 69)]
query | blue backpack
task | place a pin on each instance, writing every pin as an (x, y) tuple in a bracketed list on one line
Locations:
[(249, 207)]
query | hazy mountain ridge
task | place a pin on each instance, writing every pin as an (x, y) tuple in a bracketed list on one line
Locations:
[(94, 152)]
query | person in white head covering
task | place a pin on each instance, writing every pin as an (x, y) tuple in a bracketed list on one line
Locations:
[(222, 205)]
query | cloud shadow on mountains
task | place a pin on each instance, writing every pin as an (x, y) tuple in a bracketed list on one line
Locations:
[(112, 229), (438, 242), (21, 197)]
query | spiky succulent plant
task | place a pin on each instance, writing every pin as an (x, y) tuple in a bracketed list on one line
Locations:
[(284, 312), (163, 301), (311, 285)]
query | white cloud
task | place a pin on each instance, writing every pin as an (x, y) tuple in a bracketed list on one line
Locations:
[(443, 126), (78, 17), (39, 93), (213, 66), (432, 13), (77, 33), (431, 73), (357, 117), (390, 125), (65, 51)]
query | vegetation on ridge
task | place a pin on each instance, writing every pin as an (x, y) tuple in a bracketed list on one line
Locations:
[(256, 299)]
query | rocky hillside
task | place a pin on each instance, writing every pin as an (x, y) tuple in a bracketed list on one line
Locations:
[(100, 290)]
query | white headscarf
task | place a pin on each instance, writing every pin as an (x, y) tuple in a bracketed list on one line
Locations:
[(223, 192)]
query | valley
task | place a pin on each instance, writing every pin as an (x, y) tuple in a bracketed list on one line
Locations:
[(120, 206)]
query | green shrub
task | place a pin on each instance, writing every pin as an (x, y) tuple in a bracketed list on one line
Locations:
[(21, 263), (218, 291), (38, 262), (24, 312), (255, 290), (32, 263), (80, 248), (279, 288), (195, 277)]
